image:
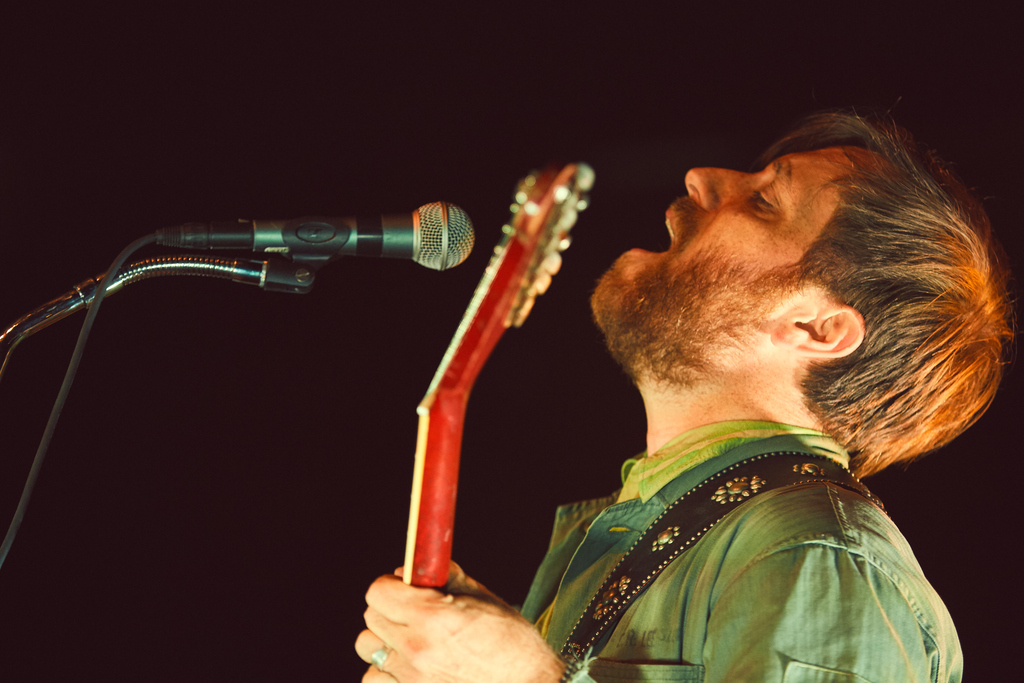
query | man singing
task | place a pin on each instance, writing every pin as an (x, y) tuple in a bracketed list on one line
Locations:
[(845, 307)]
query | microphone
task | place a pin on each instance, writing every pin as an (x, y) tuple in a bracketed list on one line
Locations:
[(437, 235)]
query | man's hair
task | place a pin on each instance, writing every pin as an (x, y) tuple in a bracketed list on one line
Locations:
[(912, 250)]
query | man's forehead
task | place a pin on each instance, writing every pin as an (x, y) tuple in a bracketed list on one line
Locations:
[(805, 179), (822, 165)]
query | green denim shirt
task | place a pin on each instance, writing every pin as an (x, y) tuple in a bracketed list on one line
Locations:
[(805, 583)]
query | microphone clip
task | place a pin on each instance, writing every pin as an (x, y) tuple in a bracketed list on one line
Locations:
[(293, 277)]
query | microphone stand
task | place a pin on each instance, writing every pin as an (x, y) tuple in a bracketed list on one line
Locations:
[(275, 275)]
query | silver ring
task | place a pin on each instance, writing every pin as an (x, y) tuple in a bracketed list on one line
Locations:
[(379, 657)]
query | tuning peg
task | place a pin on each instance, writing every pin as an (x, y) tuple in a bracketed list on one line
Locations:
[(584, 177), (540, 283), (522, 193), (523, 311), (568, 218), (552, 263)]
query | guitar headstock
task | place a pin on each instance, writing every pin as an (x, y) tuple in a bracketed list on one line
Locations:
[(529, 252), (544, 211)]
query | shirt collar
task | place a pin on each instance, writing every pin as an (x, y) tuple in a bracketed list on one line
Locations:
[(645, 475)]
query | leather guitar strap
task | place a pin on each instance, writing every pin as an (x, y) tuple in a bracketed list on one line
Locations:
[(684, 522)]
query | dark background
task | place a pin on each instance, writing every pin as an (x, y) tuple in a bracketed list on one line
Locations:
[(232, 468)]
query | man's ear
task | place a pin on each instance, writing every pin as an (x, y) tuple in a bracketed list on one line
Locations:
[(817, 328)]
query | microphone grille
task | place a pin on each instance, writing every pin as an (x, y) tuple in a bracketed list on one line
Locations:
[(445, 236)]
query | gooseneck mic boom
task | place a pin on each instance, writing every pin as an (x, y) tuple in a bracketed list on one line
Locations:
[(437, 235)]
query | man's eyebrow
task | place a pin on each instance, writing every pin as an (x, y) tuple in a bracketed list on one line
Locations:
[(783, 169)]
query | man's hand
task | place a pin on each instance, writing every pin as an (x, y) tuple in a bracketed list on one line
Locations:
[(465, 635)]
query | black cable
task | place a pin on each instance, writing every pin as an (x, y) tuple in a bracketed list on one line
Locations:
[(65, 388)]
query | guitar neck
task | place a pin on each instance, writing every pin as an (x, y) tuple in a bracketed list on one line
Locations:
[(548, 206), (439, 439), (435, 482)]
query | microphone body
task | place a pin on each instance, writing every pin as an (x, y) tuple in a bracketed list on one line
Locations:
[(437, 235)]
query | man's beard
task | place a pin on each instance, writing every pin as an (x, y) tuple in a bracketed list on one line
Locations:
[(679, 323)]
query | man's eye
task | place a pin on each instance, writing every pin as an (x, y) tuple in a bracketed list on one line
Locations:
[(761, 202)]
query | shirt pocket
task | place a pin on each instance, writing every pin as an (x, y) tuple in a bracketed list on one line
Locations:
[(798, 672), (603, 671)]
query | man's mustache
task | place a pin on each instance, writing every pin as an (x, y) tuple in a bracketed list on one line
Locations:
[(683, 220)]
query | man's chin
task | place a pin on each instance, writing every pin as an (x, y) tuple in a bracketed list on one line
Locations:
[(667, 322)]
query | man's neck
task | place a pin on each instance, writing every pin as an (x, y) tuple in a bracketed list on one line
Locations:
[(672, 410)]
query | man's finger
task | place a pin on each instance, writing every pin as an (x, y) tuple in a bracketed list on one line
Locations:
[(456, 575), (375, 675), (396, 601), (368, 646), (459, 583), (382, 627), (367, 643)]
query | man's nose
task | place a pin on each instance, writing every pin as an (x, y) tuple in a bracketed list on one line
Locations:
[(710, 188)]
